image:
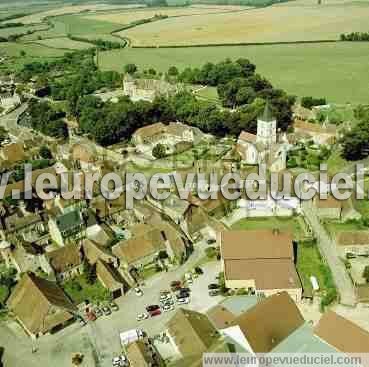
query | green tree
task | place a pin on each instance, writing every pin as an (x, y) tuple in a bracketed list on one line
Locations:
[(45, 152), (355, 143), (159, 151), (89, 272), (130, 68), (366, 273), (3, 134), (173, 71)]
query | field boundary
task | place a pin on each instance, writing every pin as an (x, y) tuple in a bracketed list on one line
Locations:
[(240, 44)]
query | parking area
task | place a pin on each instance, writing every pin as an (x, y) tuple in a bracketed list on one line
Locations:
[(99, 341)]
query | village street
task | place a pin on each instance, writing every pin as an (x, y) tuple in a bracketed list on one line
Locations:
[(328, 250), (99, 341)]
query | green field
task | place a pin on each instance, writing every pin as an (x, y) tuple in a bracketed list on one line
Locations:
[(76, 25), (65, 43), (6, 32), (337, 71), (283, 224), (309, 263), (34, 52)]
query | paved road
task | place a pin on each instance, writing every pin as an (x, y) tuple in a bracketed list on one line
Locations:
[(328, 249)]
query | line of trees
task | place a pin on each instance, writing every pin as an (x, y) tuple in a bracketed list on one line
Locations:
[(101, 44), (355, 143), (309, 102), (355, 36)]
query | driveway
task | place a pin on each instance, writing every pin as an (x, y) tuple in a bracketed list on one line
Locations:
[(328, 249)]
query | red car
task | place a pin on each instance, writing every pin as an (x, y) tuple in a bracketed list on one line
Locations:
[(91, 316), (155, 312)]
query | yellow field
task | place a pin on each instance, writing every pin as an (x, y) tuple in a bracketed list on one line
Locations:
[(39, 17), (292, 21), (127, 17)]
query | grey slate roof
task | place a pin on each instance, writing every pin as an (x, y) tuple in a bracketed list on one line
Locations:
[(267, 115), (69, 220)]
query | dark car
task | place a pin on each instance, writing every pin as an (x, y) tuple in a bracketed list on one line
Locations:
[(199, 271), (185, 290), (213, 286), (152, 308)]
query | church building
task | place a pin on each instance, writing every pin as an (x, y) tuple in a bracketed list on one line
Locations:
[(263, 147)]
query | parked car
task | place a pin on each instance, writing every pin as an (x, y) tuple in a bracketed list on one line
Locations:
[(213, 286), (106, 310), (113, 306), (138, 292), (91, 316), (183, 301), (164, 298), (167, 307), (120, 361), (175, 285), (98, 312), (155, 312), (142, 316), (198, 270), (214, 292), (152, 308), (164, 293), (211, 241), (82, 322)]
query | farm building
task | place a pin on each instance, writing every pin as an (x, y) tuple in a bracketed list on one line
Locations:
[(259, 261)]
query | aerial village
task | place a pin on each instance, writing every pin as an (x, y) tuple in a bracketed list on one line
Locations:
[(93, 283)]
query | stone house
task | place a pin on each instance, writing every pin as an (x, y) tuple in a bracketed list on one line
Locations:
[(142, 354), (84, 155), (260, 261), (332, 208), (266, 325), (111, 278), (27, 226), (23, 256), (67, 227), (12, 152), (167, 134), (190, 333), (147, 243), (147, 89), (66, 262), (353, 242), (320, 134), (342, 334), (9, 100), (173, 207), (40, 306)]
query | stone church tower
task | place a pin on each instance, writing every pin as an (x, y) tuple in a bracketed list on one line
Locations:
[(267, 128)]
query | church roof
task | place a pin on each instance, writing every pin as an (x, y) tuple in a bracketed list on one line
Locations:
[(267, 115)]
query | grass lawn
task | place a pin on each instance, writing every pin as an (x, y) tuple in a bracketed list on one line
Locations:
[(65, 43), (4, 294), (208, 93), (336, 71), (6, 32), (283, 224), (335, 227), (336, 163), (79, 290), (309, 263)]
